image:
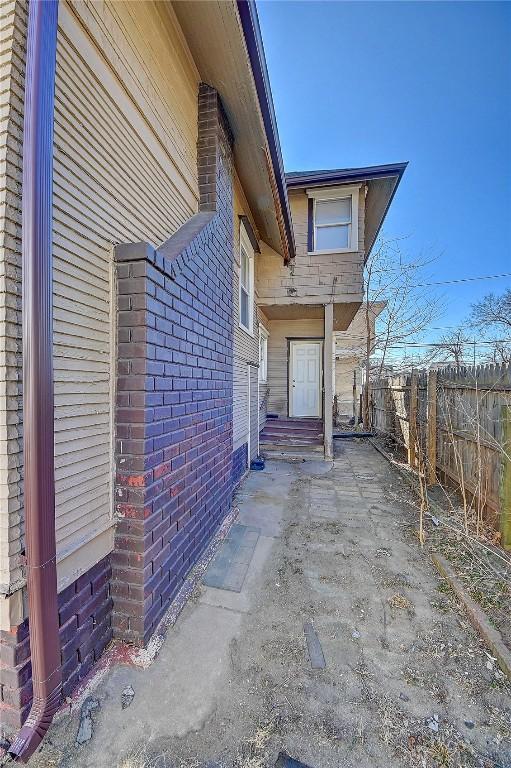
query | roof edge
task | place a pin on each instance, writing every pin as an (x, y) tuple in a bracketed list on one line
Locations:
[(300, 179), (252, 33), (389, 203)]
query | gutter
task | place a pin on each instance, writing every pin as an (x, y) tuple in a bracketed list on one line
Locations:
[(252, 33), (38, 377)]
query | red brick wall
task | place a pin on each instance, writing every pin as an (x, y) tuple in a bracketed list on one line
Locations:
[(174, 384), (85, 613)]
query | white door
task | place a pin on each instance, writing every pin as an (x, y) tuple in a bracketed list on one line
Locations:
[(305, 378)]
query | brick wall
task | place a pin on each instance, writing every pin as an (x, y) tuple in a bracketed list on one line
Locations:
[(174, 393), (85, 613), (239, 463)]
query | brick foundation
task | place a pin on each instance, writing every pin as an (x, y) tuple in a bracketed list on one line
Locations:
[(174, 384), (85, 620), (239, 464)]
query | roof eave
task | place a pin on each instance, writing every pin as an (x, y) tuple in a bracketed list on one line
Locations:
[(332, 177), (250, 24), (389, 203)]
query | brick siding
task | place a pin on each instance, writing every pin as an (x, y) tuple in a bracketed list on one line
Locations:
[(239, 464), (174, 393), (85, 620)]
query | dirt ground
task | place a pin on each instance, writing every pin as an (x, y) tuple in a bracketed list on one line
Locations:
[(483, 568), (407, 682)]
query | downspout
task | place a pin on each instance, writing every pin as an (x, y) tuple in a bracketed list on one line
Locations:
[(38, 417)]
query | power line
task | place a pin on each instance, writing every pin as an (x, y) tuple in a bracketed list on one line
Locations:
[(439, 345), (468, 342), (464, 280)]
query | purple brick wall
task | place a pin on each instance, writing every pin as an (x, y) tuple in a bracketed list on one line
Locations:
[(174, 385), (239, 464), (85, 619)]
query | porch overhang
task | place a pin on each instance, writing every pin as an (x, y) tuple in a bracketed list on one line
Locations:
[(344, 312)]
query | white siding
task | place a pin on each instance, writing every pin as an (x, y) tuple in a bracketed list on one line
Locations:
[(125, 149), (246, 346), (254, 414), (240, 403)]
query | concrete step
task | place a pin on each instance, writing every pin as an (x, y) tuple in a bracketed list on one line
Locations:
[(294, 430), (287, 421), (301, 452), (274, 436)]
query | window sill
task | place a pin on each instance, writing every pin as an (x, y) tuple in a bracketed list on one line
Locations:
[(333, 251), (248, 331)]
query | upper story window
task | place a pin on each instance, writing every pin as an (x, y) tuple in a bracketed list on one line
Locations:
[(246, 299), (263, 354), (334, 225)]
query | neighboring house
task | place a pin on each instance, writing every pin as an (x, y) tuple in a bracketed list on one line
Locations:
[(182, 314), (350, 358)]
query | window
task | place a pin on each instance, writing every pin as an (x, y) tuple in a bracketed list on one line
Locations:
[(263, 354), (332, 224), (246, 281), (335, 219)]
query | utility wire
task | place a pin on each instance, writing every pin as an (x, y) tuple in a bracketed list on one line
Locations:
[(463, 280)]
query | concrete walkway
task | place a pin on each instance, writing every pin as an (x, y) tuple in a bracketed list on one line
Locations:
[(406, 681)]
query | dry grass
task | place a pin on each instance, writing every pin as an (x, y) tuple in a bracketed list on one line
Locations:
[(400, 601), (254, 752)]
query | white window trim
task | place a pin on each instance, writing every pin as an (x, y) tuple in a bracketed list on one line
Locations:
[(337, 193), (263, 334), (247, 245)]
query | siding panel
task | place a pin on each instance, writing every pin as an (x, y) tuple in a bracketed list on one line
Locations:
[(125, 171), (254, 414), (240, 403), (246, 347)]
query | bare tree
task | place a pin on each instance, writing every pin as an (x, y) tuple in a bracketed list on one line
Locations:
[(392, 277), (491, 318), (454, 344), (494, 311)]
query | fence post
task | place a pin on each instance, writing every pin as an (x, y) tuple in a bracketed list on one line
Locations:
[(412, 431), (505, 478), (432, 402)]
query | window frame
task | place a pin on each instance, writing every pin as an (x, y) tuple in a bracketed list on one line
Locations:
[(263, 370), (332, 194), (247, 246)]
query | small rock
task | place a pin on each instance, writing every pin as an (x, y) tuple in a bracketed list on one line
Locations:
[(470, 724), (432, 723), (404, 697), (85, 728), (127, 696)]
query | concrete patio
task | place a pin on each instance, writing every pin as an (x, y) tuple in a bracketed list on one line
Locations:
[(406, 681)]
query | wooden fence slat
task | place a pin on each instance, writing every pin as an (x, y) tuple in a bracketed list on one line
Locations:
[(412, 433), (505, 479), (431, 427)]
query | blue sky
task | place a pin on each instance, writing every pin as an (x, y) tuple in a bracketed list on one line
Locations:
[(363, 83)]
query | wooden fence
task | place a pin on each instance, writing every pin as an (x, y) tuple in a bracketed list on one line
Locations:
[(455, 425)]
